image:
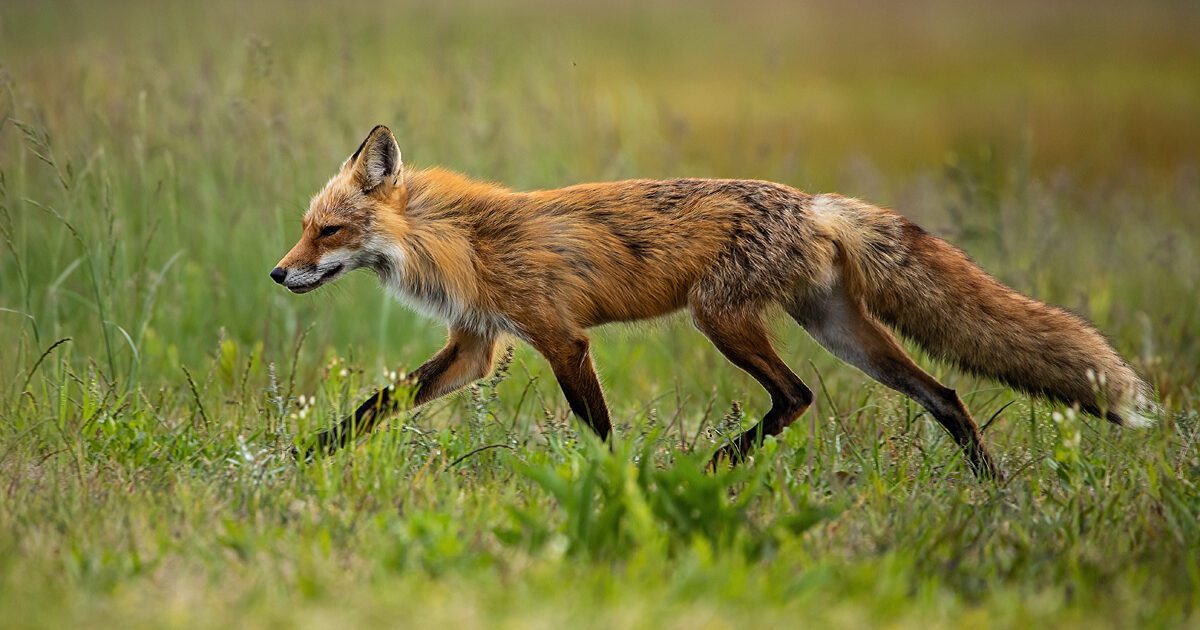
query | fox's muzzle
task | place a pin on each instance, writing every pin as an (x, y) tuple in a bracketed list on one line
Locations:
[(308, 277)]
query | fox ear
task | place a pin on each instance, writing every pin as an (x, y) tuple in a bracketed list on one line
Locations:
[(376, 164)]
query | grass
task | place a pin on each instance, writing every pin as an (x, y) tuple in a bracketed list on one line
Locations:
[(154, 162)]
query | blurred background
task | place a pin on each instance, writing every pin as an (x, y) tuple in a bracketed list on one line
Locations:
[(155, 161), (156, 157)]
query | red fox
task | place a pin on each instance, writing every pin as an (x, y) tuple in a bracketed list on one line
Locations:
[(545, 266)]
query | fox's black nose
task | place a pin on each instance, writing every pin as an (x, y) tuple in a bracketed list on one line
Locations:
[(278, 274)]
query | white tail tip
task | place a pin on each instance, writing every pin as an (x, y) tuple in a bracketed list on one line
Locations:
[(1140, 413)]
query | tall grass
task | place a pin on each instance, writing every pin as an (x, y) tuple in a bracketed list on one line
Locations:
[(154, 162)]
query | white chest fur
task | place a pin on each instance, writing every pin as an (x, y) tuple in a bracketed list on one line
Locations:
[(431, 298)]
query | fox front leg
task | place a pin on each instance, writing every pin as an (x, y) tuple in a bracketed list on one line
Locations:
[(467, 357)]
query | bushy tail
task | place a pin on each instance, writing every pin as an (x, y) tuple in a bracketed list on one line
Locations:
[(932, 293)]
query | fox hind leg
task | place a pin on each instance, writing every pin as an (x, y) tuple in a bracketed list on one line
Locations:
[(840, 323), (744, 340)]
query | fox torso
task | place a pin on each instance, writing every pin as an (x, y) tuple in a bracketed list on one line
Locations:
[(480, 255)]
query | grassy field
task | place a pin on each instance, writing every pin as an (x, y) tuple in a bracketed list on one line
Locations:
[(154, 163)]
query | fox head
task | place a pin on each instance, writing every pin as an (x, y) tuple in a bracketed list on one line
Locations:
[(344, 227)]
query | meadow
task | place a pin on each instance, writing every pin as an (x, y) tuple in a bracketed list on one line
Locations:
[(155, 159)]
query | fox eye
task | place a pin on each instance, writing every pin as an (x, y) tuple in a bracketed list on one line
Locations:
[(330, 230)]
